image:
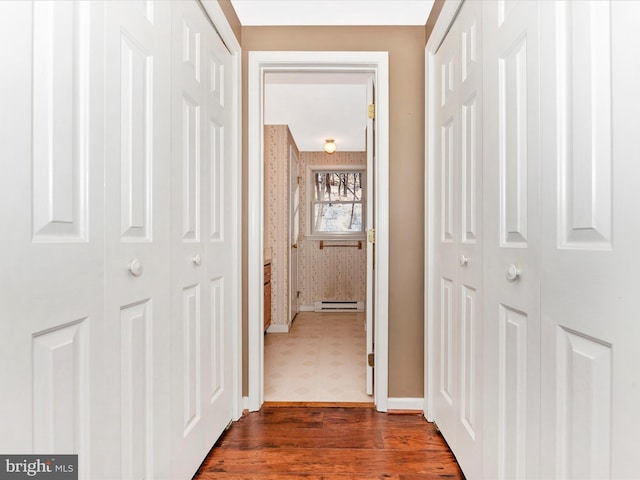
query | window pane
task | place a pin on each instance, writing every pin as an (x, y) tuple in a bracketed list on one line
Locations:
[(338, 186), (344, 217)]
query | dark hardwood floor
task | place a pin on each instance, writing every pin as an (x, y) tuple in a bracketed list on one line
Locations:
[(330, 443)]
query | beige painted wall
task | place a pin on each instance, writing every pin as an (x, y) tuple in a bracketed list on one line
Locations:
[(406, 71), (406, 180)]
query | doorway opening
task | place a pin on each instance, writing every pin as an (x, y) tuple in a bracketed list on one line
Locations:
[(376, 64)]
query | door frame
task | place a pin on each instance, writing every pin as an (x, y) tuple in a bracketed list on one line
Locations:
[(443, 24), (234, 173), (271, 61)]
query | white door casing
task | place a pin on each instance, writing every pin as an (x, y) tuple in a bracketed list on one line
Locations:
[(294, 230), (137, 286), (590, 328), (455, 262), (259, 63), (202, 236)]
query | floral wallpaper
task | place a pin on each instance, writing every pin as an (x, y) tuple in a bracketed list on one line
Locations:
[(337, 273)]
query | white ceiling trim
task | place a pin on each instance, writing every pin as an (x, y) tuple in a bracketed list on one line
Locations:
[(332, 12)]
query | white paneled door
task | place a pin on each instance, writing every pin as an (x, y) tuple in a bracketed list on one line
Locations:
[(201, 238), (137, 306), (590, 315), (117, 283), (457, 259), (51, 262), (512, 239)]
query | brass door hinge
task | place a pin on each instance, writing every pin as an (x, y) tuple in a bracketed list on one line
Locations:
[(371, 359), (372, 111), (371, 235)]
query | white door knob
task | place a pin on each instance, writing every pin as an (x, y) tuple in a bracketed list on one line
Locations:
[(135, 267), (513, 273), (463, 260), (197, 259)]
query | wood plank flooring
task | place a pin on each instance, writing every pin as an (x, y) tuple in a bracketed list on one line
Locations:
[(330, 443)]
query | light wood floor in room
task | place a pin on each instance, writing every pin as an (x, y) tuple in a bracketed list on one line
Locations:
[(321, 359), (329, 443)]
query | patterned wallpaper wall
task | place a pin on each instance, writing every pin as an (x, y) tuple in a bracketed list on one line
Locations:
[(332, 273), (329, 274), (277, 139)]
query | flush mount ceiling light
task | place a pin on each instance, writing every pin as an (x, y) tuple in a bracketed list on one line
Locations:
[(329, 146)]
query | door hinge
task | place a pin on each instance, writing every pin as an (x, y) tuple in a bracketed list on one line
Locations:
[(371, 235), (298, 294), (299, 180), (371, 360), (372, 111)]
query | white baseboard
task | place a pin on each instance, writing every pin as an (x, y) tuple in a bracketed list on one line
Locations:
[(405, 404), (306, 308), (278, 328)]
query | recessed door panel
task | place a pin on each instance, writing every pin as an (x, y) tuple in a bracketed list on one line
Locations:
[(137, 387), (469, 170), (512, 385), (60, 137), (191, 49), (191, 165), (216, 184), (447, 348), (513, 123), (584, 125), (469, 369), (584, 392), (446, 189), (61, 389), (191, 359), (217, 339), (136, 131)]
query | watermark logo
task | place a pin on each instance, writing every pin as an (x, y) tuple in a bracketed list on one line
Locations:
[(51, 467)]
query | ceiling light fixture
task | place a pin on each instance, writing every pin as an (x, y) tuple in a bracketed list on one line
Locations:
[(329, 146)]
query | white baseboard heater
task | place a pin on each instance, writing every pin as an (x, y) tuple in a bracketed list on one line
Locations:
[(338, 306)]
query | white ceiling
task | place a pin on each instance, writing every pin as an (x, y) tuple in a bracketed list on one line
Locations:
[(317, 106), (332, 12)]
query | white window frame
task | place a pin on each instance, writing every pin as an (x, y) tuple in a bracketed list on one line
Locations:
[(310, 188)]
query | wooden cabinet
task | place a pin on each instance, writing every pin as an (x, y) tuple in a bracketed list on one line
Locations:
[(267, 295)]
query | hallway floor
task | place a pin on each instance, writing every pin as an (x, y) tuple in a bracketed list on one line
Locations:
[(321, 359), (337, 443)]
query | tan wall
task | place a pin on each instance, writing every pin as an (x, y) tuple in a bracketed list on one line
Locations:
[(406, 179), (232, 18), (335, 273)]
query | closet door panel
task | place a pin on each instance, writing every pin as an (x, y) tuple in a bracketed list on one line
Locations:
[(512, 237), (590, 419), (137, 232), (51, 260)]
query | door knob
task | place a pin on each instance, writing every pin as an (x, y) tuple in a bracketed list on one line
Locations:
[(295, 245), (513, 273), (135, 267), (463, 260), (197, 259)]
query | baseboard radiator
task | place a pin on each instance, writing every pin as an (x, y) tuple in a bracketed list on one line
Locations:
[(338, 306)]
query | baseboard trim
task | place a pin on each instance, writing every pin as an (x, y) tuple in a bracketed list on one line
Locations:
[(278, 328), (306, 308), (407, 404)]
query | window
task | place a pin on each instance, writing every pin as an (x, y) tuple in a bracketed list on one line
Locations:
[(336, 200)]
